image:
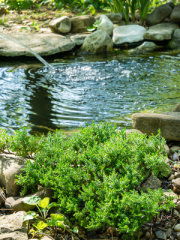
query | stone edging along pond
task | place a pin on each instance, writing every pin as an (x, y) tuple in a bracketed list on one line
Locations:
[(68, 33)]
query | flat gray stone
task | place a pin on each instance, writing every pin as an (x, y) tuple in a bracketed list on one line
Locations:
[(128, 34), (44, 44), (161, 31), (14, 236), (150, 123), (152, 182), (78, 39), (13, 222)]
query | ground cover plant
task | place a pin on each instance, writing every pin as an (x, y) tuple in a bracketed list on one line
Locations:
[(97, 175)]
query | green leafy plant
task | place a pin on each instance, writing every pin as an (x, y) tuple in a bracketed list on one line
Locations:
[(94, 27), (56, 220), (130, 6), (97, 173)]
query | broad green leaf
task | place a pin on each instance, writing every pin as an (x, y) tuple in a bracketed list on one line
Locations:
[(41, 225), (97, 23), (44, 203), (57, 217), (75, 230), (30, 215), (53, 204), (90, 29), (33, 200), (92, 10)]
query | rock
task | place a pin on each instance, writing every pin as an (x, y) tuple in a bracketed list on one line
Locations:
[(129, 131), (177, 107), (152, 182), (14, 236), (176, 183), (148, 46), (175, 43), (43, 44), (46, 238), (176, 213), (18, 205), (128, 33), (160, 235), (177, 227), (11, 166), (79, 24), (171, 177), (175, 16), (97, 42), (78, 39), (2, 196), (159, 14), (9, 201), (105, 25), (60, 25), (114, 17), (175, 148), (13, 222), (151, 123), (167, 149), (168, 232), (177, 174), (178, 236), (121, 23), (161, 31)]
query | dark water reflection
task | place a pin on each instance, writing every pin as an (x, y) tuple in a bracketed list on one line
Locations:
[(90, 88)]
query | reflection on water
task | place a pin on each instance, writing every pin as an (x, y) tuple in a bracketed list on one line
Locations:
[(101, 88)]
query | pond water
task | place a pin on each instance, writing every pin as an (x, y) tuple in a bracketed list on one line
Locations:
[(108, 87)]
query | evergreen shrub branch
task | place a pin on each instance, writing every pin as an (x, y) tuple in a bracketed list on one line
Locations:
[(96, 175)]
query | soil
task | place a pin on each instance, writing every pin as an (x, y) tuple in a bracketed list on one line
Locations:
[(32, 20)]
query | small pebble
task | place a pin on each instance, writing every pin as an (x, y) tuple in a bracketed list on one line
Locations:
[(177, 227)]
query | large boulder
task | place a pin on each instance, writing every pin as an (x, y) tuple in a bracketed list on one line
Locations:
[(168, 123), (12, 227), (175, 41), (160, 32), (10, 166), (175, 15), (128, 34), (43, 44), (79, 24), (97, 42), (105, 25), (114, 17), (60, 25), (159, 14)]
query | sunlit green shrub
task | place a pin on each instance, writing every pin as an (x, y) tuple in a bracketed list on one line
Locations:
[(96, 176)]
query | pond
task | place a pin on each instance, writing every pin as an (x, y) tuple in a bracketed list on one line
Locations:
[(106, 87)]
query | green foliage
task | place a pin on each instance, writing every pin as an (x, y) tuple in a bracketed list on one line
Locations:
[(97, 173), (24, 144), (130, 5), (94, 27), (56, 220), (42, 205), (19, 4)]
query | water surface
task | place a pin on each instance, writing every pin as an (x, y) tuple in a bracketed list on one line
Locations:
[(85, 89)]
